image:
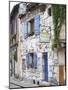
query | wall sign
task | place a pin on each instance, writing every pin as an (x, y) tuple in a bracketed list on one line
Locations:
[(45, 34)]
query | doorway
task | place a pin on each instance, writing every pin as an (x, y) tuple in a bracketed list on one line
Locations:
[(61, 75), (45, 67), (61, 58)]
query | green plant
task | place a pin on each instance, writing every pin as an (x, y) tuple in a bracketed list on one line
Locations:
[(59, 15)]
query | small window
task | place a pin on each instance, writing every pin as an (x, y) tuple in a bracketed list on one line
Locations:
[(49, 11), (15, 55), (12, 31), (31, 27), (31, 60), (31, 55)]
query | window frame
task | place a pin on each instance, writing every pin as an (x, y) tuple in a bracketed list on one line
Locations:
[(31, 28)]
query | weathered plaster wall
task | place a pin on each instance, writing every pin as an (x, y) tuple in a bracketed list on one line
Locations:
[(33, 43)]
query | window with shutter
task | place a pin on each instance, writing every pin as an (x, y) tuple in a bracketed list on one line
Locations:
[(31, 27), (37, 25), (31, 59)]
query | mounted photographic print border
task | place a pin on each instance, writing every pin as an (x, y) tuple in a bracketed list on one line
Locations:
[(35, 52)]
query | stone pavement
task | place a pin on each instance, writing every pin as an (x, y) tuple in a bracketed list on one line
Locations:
[(12, 86), (25, 83), (22, 83)]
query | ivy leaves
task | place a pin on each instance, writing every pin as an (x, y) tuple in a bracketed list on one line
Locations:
[(59, 14)]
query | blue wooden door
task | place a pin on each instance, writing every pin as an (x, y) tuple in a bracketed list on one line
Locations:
[(45, 66)]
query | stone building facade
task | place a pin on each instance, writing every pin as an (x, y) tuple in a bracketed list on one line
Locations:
[(35, 58)]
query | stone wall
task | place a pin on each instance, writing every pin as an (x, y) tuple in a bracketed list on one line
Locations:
[(37, 74)]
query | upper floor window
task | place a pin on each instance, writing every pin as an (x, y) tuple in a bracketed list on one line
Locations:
[(49, 11), (32, 27), (13, 26)]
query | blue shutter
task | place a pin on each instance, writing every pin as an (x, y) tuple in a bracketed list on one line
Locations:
[(36, 25), (27, 60), (35, 60), (25, 30)]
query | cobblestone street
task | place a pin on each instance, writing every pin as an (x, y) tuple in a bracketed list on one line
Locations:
[(14, 83)]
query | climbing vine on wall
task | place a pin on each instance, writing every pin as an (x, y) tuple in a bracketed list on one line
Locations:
[(59, 14)]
